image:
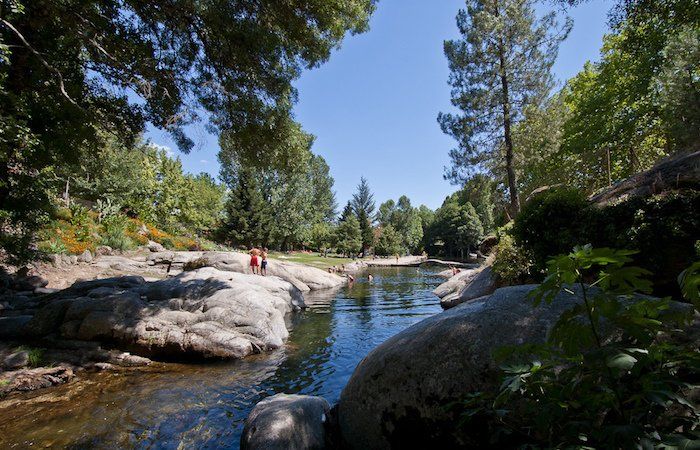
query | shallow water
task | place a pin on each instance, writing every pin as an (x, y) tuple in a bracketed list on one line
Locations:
[(204, 406)]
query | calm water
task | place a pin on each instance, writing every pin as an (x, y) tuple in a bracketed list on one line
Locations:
[(204, 406)]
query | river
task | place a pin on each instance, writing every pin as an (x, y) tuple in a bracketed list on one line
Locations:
[(204, 405)]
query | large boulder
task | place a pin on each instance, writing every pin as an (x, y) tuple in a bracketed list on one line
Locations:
[(286, 422), (481, 282), (202, 313), (454, 283), (305, 278), (398, 395)]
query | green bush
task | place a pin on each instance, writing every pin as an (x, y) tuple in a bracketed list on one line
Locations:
[(552, 223), (53, 247), (81, 220), (115, 232), (663, 228), (616, 371), (63, 214), (512, 264)]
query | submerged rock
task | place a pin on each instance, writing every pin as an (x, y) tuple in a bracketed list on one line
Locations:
[(204, 313), (398, 395), (32, 379), (283, 421)]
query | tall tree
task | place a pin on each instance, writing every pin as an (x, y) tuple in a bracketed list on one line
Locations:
[(245, 210), (500, 66), (363, 206), (324, 204)]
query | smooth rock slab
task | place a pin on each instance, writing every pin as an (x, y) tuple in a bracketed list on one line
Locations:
[(204, 313), (398, 394), (286, 422)]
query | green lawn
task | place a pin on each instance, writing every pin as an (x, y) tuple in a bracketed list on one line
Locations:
[(311, 259)]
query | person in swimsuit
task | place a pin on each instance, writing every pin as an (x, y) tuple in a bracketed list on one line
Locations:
[(263, 264), (254, 260)]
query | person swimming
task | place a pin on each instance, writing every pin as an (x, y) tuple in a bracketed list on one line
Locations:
[(370, 277)]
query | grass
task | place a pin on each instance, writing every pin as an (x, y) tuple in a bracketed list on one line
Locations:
[(35, 355), (312, 259)]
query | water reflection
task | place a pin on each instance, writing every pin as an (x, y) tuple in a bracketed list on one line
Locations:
[(204, 406)]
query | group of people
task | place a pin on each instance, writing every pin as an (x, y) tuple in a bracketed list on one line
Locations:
[(258, 261)]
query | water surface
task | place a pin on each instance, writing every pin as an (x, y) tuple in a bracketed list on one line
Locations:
[(204, 405)]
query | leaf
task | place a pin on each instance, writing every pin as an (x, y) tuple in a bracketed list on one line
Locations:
[(621, 361), (689, 281)]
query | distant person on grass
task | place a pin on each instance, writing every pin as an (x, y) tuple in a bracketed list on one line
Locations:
[(263, 264), (254, 267)]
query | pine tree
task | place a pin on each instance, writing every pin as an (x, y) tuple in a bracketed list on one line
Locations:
[(500, 66), (363, 206), (245, 211)]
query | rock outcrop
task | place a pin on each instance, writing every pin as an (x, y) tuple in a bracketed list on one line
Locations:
[(479, 283), (204, 313), (397, 396), (286, 422)]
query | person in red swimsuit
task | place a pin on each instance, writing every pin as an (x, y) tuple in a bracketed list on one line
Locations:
[(254, 266)]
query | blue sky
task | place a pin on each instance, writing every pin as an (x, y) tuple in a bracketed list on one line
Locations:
[(373, 106)]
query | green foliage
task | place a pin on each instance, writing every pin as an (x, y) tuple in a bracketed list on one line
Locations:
[(662, 228), (389, 242), (455, 229), (349, 236), (70, 70), (551, 223), (115, 233), (511, 264), (614, 373), (35, 355), (53, 247), (490, 94), (322, 236), (405, 221)]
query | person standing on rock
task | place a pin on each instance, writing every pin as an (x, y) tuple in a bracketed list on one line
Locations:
[(263, 264), (254, 261)]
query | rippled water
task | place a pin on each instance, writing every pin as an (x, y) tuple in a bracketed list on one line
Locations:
[(204, 406)]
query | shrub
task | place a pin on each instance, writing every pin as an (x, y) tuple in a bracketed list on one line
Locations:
[(53, 247), (551, 223), (61, 213), (195, 264), (617, 370), (512, 264), (115, 232), (663, 228)]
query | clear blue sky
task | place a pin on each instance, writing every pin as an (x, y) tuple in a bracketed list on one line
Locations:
[(373, 106)]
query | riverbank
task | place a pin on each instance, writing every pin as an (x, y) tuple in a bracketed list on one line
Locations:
[(193, 305), (204, 404)]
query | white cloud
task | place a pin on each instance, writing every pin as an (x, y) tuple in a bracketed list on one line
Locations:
[(204, 161), (168, 151)]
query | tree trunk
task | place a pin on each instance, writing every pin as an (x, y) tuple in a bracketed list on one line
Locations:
[(510, 172)]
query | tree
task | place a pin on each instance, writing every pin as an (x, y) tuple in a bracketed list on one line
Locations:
[(363, 205), (481, 191), (324, 203), (500, 66), (71, 67), (349, 236), (389, 241), (386, 212), (245, 210), (470, 231), (321, 236)]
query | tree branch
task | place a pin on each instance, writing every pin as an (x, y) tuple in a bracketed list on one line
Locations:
[(61, 84)]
